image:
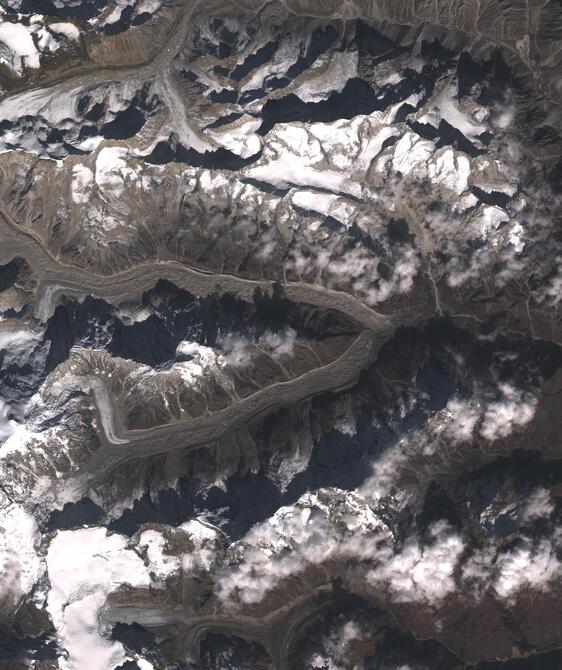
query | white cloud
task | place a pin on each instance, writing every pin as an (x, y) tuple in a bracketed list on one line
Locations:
[(539, 505), (335, 646), (327, 523), (385, 470), (514, 408), (405, 265), (238, 350), (552, 291), (343, 526), (357, 268), (478, 569), (462, 415), (279, 344), (421, 573), (465, 417), (531, 565)]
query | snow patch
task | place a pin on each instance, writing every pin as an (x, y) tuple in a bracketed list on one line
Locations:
[(112, 171), (67, 29), (17, 48), (20, 566), (411, 154), (241, 137), (451, 169), (82, 182), (84, 566)]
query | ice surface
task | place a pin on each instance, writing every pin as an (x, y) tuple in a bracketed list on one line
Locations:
[(20, 51), (20, 565), (83, 566)]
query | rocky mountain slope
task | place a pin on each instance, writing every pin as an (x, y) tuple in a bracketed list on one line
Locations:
[(280, 336)]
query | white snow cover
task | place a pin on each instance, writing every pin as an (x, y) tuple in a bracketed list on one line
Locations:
[(13, 435), (314, 202), (487, 220), (112, 171), (19, 50), (20, 566), (203, 552), (67, 29), (202, 360), (314, 531), (351, 144), (82, 182), (240, 137), (322, 155), (161, 564), (204, 538), (6, 428), (295, 536), (330, 155), (144, 6), (117, 10), (285, 56), (418, 158), (451, 169), (55, 108), (488, 175), (285, 172), (45, 39), (130, 314), (148, 6), (411, 154), (329, 74), (444, 106), (83, 566)]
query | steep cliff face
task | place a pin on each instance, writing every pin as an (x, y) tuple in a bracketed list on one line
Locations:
[(280, 338)]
